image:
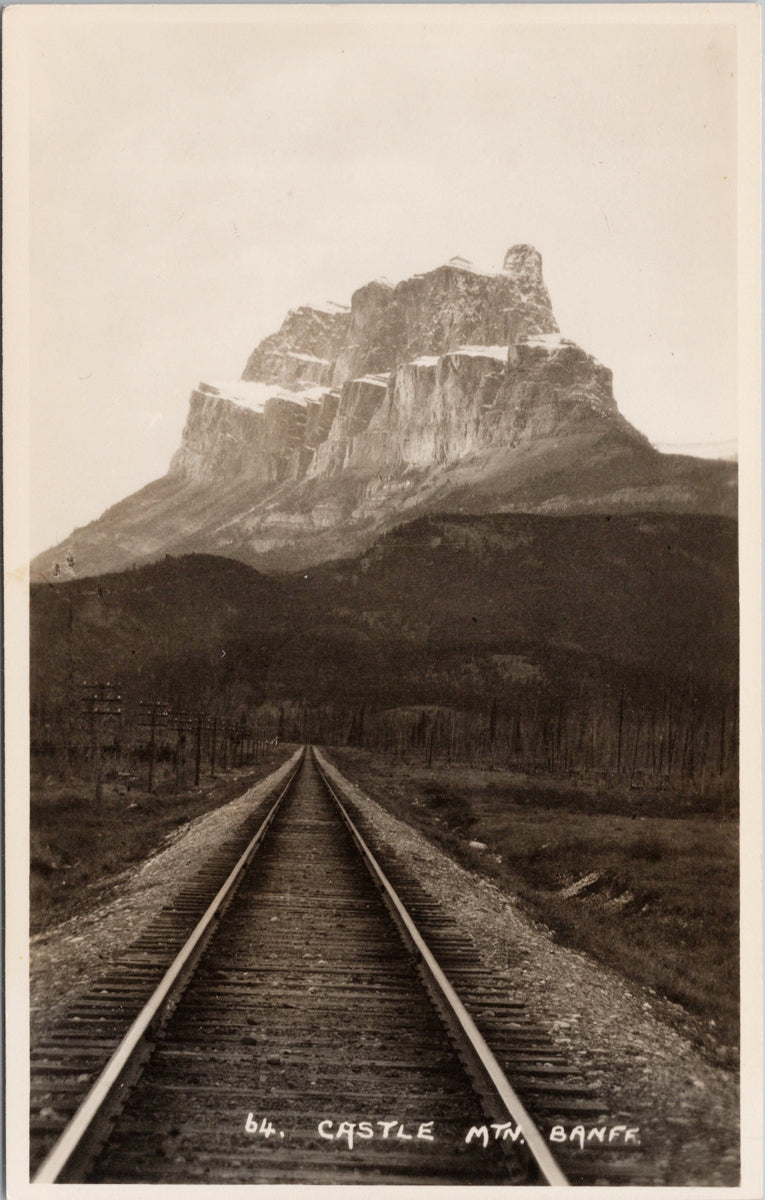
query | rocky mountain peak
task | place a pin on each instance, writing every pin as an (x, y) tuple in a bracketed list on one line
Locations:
[(431, 313), (524, 261), (451, 389)]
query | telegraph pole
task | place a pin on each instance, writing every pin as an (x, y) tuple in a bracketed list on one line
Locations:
[(101, 702)]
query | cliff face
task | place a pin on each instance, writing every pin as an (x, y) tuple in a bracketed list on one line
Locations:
[(451, 390), (303, 350), (261, 445), (440, 410), (432, 411), (220, 437), (415, 375)]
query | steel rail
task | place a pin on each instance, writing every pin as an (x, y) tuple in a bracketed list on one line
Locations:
[(71, 1145), (471, 1041)]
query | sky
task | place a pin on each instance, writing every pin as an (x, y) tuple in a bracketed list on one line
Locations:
[(192, 177)]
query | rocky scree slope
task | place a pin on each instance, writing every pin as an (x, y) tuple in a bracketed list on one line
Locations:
[(453, 389)]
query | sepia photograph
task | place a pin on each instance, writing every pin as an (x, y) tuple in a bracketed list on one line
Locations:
[(382, 597)]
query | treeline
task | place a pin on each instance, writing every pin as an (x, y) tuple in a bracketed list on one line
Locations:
[(680, 738)]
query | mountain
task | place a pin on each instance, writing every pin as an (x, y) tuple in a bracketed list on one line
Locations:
[(453, 390)]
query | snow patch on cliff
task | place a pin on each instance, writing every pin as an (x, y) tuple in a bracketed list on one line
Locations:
[(550, 341), (307, 357), (322, 306), (254, 395), (375, 380), (498, 352)]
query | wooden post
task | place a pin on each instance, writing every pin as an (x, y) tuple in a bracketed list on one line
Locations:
[(151, 747), (671, 738), (69, 702), (635, 755), (653, 743), (97, 747), (180, 757), (198, 760), (704, 754)]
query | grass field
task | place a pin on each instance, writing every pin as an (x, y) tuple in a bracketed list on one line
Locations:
[(642, 882), (77, 845)]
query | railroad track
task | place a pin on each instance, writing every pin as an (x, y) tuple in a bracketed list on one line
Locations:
[(323, 1023)]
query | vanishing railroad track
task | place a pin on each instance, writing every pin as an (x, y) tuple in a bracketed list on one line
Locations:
[(308, 1033)]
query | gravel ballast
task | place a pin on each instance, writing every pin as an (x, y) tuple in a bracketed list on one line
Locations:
[(66, 959), (686, 1108)]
